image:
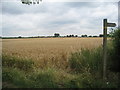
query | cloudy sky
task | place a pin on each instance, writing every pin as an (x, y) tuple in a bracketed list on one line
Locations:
[(48, 18)]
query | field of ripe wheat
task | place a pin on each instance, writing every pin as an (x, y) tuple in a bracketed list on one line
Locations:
[(47, 51)]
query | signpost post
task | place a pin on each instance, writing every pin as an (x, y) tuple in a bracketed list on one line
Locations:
[(105, 25)]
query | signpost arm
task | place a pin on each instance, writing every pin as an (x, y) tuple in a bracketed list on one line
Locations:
[(104, 47)]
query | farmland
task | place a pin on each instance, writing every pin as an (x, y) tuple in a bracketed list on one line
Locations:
[(54, 63), (55, 51)]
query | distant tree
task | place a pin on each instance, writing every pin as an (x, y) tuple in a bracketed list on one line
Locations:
[(101, 35), (56, 35), (95, 36), (72, 35), (19, 37), (83, 35), (90, 36), (76, 35), (108, 35)]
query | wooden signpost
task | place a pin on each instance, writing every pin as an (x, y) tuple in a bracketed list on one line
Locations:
[(105, 25), (111, 24)]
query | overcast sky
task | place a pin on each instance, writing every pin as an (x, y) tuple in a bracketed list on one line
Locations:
[(48, 18)]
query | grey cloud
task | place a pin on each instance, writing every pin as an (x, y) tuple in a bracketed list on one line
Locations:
[(62, 22), (81, 4), (18, 8), (11, 8), (48, 18)]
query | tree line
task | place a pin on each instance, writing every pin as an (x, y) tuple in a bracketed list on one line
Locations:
[(72, 35), (58, 35)]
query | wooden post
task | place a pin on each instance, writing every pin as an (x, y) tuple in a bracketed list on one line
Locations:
[(104, 48), (105, 25)]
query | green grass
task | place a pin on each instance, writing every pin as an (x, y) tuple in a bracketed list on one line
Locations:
[(15, 77), (20, 63), (85, 71), (87, 60), (114, 56)]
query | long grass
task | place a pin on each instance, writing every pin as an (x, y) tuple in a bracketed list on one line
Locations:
[(87, 60), (47, 51), (56, 63), (20, 63), (84, 71)]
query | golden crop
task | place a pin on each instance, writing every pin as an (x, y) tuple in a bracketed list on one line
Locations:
[(47, 51)]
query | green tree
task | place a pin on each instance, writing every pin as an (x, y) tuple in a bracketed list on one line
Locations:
[(115, 58)]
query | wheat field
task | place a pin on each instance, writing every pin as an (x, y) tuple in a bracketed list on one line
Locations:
[(48, 51)]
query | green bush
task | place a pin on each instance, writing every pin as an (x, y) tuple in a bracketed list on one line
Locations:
[(36, 79), (22, 64), (88, 80), (114, 51), (87, 60), (15, 77), (43, 79)]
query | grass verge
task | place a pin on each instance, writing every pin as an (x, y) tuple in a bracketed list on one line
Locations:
[(85, 71)]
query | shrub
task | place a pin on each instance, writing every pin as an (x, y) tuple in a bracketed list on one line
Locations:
[(86, 60), (37, 79), (15, 77), (43, 79), (114, 53), (22, 64)]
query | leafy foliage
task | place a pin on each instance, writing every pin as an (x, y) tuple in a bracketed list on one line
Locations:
[(114, 53), (22, 64), (90, 60)]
